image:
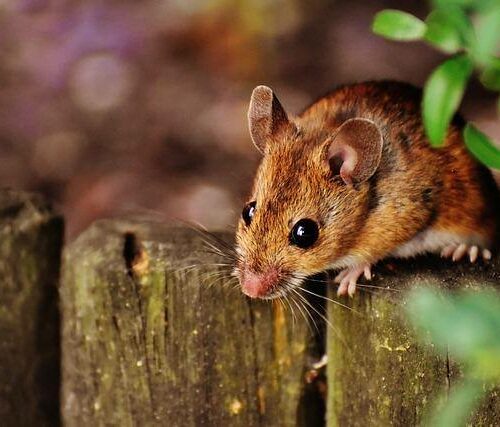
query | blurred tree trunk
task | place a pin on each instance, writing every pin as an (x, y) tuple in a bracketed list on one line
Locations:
[(30, 249)]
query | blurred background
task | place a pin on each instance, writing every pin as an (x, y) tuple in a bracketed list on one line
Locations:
[(116, 107)]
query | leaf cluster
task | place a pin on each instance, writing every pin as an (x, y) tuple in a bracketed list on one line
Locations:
[(469, 30)]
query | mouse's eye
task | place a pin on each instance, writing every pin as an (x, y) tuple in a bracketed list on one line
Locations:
[(304, 233), (248, 212)]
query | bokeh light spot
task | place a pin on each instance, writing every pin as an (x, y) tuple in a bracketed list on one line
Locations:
[(101, 82)]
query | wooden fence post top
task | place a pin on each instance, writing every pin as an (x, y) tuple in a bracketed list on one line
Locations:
[(107, 230), (401, 274), (153, 335), (142, 326), (19, 210), (436, 272)]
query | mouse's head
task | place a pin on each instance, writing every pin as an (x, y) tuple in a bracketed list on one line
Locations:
[(309, 196)]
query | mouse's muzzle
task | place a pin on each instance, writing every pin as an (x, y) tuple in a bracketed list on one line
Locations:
[(260, 284)]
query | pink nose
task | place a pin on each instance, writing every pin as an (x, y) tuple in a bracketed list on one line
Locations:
[(258, 285)]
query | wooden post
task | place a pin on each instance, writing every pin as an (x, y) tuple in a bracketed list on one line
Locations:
[(30, 248), (146, 341), (379, 374)]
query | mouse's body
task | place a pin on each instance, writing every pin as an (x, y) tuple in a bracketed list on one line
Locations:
[(353, 180)]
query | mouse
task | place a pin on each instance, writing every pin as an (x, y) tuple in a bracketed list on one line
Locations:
[(352, 180)]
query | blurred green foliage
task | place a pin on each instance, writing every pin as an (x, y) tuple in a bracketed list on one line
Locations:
[(483, 150), (467, 327), (470, 31)]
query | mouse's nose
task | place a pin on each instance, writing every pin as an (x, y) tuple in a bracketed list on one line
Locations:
[(258, 285)]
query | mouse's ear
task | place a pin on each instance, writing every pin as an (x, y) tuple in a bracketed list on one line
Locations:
[(266, 116), (354, 152)]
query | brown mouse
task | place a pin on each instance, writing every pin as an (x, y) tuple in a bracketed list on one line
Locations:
[(352, 180)]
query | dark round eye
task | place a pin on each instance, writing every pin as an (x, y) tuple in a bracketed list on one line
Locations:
[(304, 233), (248, 212)]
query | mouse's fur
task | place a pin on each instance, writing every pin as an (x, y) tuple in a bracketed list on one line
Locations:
[(419, 199)]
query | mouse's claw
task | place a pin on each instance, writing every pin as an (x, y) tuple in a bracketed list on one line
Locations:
[(339, 277), (348, 278), (457, 252), (321, 363)]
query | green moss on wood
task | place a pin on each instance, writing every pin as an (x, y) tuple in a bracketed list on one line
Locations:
[(379, 373), (152, 344)]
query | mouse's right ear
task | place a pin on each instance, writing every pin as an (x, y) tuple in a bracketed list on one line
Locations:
[(266, 117), (355, 150)]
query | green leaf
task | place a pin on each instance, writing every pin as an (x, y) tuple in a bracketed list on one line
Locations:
[(397, 25), (464, 326), (429, 312), (443, 93), (490, 78), (459, 407), (470, 5), (481, 147), (448, 29), (487, 44)]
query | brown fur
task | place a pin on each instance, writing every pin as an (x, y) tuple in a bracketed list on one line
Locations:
[(415, 187)]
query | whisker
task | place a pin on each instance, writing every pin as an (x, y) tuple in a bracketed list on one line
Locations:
[(226, 283), (280, 301), (299, 305), (331, 300), (382, 288), (335, 330), (186, 268), (361, 285), (201, 266), (323, 317), (217, 250), (310, 279), (214, 275), (216, 243), (306, 304), (213, 238), (294, 318)]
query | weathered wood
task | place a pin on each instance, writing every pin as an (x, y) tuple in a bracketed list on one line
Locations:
[(30, 249), (147, 342), (378, 372)]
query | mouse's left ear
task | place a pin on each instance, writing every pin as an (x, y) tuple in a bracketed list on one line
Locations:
[(354, 152), (266, 117)]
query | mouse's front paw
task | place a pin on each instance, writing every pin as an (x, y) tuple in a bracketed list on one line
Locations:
[(456, 252), (347, 278)]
